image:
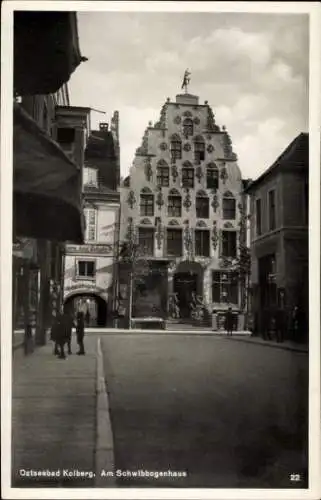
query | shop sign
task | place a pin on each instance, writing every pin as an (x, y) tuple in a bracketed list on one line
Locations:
[(92, 249)]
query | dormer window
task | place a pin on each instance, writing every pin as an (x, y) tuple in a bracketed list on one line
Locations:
[(65, 135), (90, 176), (188, 127), (199, 149), (176, 147)]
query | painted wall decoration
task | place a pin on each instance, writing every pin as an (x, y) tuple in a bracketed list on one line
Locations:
[(223, 174), (159, 233), (174, 173), (148, 169), (146, 222), (199, 173)]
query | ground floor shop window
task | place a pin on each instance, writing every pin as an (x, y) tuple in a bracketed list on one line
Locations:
[(225, 287)]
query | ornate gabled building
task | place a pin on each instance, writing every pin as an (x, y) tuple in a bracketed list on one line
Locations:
[(183, 204)]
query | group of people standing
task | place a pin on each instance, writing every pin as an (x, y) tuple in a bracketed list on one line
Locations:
[(61, 333)]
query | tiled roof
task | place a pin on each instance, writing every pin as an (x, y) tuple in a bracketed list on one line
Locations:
[(296, 155)]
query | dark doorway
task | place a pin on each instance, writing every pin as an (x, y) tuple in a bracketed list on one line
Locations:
[(94, 307), (184, 285)]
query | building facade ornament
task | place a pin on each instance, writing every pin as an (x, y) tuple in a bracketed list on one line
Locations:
[(159, 233), (199, 173), (201, 223), (215, 236), (210, 148), (174, 173), (224, 175), (196, 120), (159, 198), (163, 146), (215, 203), (143, 149), (146, 222), (187, 203), (131, 200), (187, 147), (177, 120), (148, 169)]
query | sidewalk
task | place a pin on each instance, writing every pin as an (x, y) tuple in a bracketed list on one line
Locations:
[(286, 345), (54, 417)]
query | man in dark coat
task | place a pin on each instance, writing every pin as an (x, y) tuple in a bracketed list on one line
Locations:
[(55, 333), (68, 326), (80, 332), (229, 321)]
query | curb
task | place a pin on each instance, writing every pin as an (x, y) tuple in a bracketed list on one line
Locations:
[(266, 344), (104, 450)]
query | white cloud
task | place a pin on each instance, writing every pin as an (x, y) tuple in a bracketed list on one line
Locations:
[(251, 68)]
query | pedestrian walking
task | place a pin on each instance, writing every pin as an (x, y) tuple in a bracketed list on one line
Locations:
[(55, 334), (229, 320), (67, 324), (80, 332), (87, 317)]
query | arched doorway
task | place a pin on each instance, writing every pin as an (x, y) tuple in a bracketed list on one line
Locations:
[(93, 306), (188, 282)]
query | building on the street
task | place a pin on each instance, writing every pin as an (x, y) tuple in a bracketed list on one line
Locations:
[(279, 238), (47, 205), (90, 269), (183, 205)]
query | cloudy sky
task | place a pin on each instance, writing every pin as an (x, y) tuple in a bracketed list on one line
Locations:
[(251, 68)]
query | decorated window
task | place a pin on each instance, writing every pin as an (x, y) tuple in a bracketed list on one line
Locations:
[(176, 147), (86, 269), (229, 206), (163, 176), (229, 243), (174, 205), (199, 149), (146, 240), (225, 287), (202, 206), (272, 220), (188, 127), (174, 241), (258, 217), (202, 242), (212, 177), (90, 176), (91, 224), (188, 177), (146, 204)]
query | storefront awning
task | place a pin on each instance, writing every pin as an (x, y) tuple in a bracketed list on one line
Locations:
[(46, 50), (46, 185)]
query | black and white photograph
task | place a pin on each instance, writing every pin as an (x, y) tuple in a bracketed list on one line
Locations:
[(160, 227)]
